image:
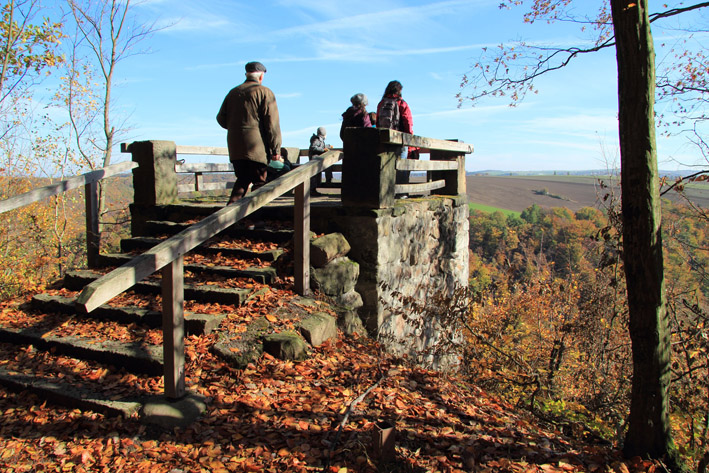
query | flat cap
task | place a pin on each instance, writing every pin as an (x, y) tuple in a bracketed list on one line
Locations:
[(255, 67)]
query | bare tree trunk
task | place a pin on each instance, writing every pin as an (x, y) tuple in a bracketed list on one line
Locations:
[(649, 424)]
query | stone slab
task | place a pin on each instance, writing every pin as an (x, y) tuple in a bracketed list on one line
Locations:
[(134, 357), (145, 243), (76, 280), (195, 324), (67, 394), (263, 275), (318, 328), (285, 346), (170, 414), (241, 349)]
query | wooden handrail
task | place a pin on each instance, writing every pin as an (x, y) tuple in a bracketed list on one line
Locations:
[(206, 150), (90, 177), (416, 165), (124, 277), (394, 137), (204, 167), (186, 149), (419, 187)]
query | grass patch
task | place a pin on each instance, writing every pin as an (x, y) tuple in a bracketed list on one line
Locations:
[(490, 209)]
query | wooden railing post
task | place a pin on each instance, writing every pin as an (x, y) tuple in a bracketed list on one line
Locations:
[(301, 248), (368, 169), (92, 235), (173, 328), (455, 180)]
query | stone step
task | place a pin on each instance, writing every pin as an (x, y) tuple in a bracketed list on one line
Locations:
[(280, 209), (155, 410), (77, 280), (195, 324), (134, 357), (265, 275), (155, 227), (68, 394), (143, 243), (313, 329)]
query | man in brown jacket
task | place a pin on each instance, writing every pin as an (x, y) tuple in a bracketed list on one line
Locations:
[(250, 116)]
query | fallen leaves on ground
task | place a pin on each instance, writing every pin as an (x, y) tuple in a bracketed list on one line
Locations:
[(283, 416), (274, 415)]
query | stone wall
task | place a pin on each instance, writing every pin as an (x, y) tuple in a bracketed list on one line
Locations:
[(417, 248)]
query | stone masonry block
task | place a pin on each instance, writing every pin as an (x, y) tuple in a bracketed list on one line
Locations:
[(350, 300), (327, 248), (285, 346), (318, 328), (337, 277)]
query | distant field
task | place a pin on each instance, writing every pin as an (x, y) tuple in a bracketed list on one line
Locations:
[(573, 192)]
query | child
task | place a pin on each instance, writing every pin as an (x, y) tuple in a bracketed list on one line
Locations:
[(318, 147)]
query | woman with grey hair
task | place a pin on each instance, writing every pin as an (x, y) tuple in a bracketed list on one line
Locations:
[(356, 115)]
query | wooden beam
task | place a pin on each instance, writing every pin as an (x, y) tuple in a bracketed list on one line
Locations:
[(420, 187), (198, 182), (301, 242), (209, 186), (204, 150), (204, 167), (455, 181), (92, 232), (124, 277), (393, 137), (72, 183), (173, 328), (417, 165), (304, 152)]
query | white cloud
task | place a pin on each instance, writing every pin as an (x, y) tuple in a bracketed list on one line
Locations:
[(191, 23), (365, 22)]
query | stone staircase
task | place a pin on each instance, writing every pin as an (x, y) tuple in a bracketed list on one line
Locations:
[(110, 360)]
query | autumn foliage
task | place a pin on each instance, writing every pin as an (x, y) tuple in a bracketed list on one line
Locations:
[(41, 241), (547, 319)]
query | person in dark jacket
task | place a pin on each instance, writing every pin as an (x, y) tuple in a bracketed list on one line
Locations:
[(316, 148), (250, 115), (356, 115)]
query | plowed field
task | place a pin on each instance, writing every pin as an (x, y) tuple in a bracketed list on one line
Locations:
[(574, 192)]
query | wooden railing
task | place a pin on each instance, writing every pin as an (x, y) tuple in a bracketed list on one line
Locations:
[(198, 170), (371, 161), (369, 165), (90, 182), (168, 257)]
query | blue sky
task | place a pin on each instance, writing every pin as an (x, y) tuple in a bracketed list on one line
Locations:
[(319, 54)]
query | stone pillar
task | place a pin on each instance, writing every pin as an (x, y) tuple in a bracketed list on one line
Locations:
[(155, 180), (368, 169)]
